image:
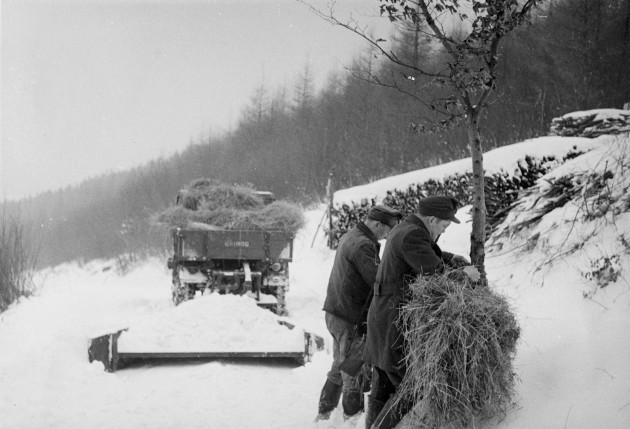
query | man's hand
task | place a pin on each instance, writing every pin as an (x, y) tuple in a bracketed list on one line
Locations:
[(472, 272), (459, 261), (361, 329)]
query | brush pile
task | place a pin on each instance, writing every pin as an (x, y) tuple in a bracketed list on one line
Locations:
[(209, 205), (460, 345)]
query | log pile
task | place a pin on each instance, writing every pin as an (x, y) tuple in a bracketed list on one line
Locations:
[(591, 123)]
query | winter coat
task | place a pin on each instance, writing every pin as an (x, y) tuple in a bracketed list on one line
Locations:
[(352, 276), (409, 251)]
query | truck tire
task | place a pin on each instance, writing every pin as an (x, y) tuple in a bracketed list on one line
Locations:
[(181, 291), (281, 307)]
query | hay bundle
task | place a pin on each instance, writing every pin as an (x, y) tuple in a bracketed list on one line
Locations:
[(460, 345), (180, 216), (218, 205), (279, 215), (217, 196)]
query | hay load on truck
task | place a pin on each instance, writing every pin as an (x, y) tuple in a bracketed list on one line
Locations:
[(232, 240)]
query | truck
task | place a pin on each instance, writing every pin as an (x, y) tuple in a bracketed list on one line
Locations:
[(207, 258), (251, 262)]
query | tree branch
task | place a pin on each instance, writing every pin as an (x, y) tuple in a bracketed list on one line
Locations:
[(353, 26), (374, 79)]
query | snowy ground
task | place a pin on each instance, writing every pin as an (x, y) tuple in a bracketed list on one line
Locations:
[(572, 359)]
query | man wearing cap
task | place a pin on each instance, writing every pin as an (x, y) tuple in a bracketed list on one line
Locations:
[(411, 250), (347, 300)]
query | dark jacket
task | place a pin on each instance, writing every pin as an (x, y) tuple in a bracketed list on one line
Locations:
[(352, 276), (409, 251)]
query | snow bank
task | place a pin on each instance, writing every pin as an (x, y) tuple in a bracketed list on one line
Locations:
[(501, 159), (572, 361), (212, 323)]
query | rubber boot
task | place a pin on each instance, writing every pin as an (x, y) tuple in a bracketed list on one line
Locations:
[(366, 379), (329, 398), (352, 402), (389, 416), (373, 410)]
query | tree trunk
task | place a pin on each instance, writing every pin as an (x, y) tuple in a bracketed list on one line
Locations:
[(478, 235), (626, 49)]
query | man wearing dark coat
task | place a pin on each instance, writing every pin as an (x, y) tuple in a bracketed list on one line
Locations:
[(347, 300), (411, 250)]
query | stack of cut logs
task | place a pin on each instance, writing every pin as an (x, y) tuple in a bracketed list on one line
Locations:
[(592, 123)]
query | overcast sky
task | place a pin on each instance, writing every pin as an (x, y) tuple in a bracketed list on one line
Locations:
[(91, 86)]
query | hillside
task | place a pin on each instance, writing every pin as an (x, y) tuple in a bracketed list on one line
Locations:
[(289, 139), (564, 267)]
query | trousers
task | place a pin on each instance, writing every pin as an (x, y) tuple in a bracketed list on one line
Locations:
[(351, 387), (386, 415)]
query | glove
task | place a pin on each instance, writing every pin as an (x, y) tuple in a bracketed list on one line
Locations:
[(459, 261), (362, 329)]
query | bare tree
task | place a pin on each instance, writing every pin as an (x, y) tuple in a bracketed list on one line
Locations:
[(464, 76), (18, 257), (258, 110)]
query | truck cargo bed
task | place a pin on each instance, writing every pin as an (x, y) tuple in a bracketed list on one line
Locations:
[(203, 244)]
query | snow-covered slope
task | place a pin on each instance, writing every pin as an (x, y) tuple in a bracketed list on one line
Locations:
[(504, 158), (566, 275)]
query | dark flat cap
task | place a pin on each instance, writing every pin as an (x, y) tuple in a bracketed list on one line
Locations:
[(439, 206), (384, 214)]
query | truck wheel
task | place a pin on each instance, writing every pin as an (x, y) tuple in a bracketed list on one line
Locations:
[(180, 290), (280, 308)]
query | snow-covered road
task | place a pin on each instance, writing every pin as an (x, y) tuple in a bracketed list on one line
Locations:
[(572, 359)]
